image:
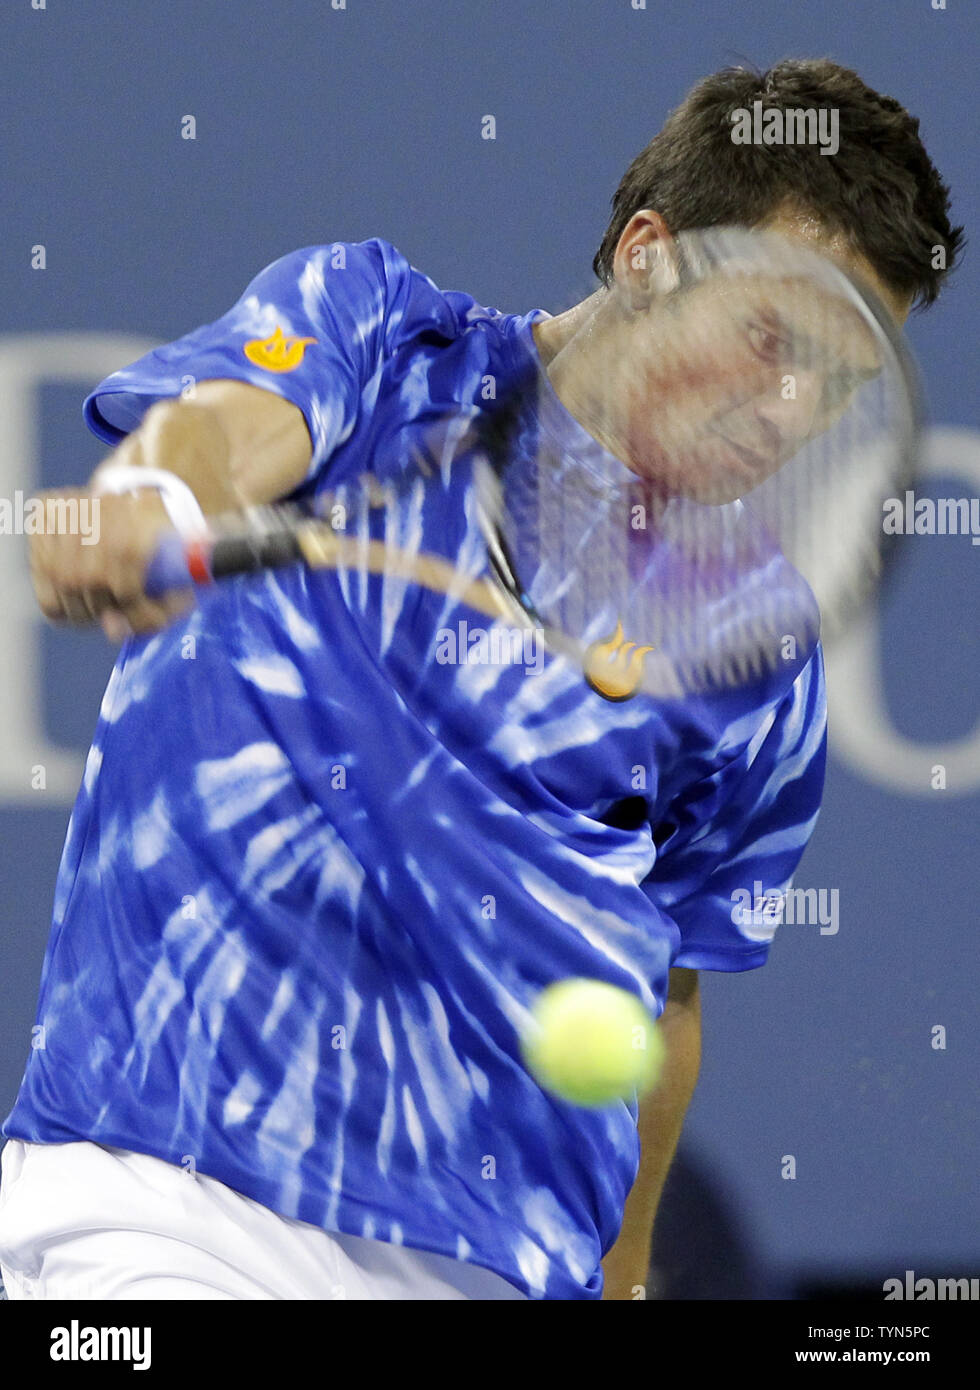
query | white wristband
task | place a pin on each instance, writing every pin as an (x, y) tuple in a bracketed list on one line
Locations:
[(181, 505)]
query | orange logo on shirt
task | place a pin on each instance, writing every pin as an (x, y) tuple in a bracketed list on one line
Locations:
[(278, 353), (614, 667)]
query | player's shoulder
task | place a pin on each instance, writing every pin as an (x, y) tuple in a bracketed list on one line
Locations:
[(339, 262), (377, 273)]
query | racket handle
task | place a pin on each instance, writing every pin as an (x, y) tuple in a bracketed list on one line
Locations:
[(179, 564), (168, 568)]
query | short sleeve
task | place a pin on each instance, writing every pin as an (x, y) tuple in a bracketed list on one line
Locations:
[(312, 327), (739, 835)]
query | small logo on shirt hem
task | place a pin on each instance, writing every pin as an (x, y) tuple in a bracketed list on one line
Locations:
[(759, 913)]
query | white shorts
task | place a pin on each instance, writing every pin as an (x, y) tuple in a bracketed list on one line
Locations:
[(84, 1221)]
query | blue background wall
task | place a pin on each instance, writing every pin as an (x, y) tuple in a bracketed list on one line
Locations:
[(316, 124)]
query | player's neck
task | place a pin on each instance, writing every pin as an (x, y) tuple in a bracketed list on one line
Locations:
[(554, 334), (569, 347)]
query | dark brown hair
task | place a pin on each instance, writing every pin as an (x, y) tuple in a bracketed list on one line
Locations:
[(880, 189)]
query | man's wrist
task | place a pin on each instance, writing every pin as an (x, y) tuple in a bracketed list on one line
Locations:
[(177, 497)]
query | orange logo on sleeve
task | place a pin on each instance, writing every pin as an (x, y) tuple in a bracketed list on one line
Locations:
[(614, 667), (278, 353)]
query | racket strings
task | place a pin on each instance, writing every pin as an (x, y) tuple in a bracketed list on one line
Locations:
[(712, 592)]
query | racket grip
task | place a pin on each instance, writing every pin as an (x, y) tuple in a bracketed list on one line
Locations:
[(168, 568), (179, 564)]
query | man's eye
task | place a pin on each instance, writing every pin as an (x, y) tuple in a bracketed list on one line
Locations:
[(770, 346), (838, 389)]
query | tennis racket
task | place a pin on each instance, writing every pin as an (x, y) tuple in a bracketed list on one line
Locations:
[(691, 488)]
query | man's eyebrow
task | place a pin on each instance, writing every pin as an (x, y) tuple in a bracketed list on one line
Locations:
[(860, 371), (776, 321)]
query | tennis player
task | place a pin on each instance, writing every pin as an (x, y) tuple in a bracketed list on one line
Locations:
[(315, 876)]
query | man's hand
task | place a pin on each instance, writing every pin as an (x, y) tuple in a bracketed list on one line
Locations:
[(80, 583), (235, 445)]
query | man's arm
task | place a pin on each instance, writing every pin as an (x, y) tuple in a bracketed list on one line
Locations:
[(235, 445), (661, 1117)]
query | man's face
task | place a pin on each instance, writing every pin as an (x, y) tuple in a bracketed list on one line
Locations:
[(726, 380)]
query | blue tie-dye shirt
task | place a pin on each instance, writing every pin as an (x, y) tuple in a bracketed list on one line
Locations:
[(316, 875)]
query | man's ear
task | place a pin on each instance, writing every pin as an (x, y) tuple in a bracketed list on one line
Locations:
[(645, 263), (664, 274)]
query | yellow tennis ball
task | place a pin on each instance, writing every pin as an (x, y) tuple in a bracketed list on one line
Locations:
[(592, 1043)]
